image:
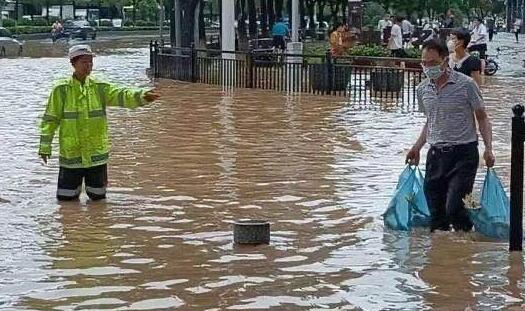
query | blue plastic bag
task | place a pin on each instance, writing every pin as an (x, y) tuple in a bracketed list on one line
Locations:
[(493, 217), (408, 208)]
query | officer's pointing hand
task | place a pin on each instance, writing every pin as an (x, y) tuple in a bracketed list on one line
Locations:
[(151, 95)]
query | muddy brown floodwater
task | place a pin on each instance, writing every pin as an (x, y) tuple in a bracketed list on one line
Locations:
[(184, 168)]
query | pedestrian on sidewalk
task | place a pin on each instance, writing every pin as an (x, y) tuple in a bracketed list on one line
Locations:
[(452, 103), (77, 107), (516, 27), (395, 42)]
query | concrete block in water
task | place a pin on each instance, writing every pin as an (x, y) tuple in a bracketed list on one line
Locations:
[(251, 232)]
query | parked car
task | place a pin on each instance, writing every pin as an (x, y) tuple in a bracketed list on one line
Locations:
[(9, 45), (80, 29)]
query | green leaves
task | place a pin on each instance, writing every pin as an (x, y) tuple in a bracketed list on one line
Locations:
[(370, 50)]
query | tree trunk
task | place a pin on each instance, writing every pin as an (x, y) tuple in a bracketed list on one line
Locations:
[(264, 18), (279, 9), (220, 22), (1, 9), (302, 13), (333, 11), (61, 3), (320, 14), (241, 24), (202, 27), (252, 17), (271, 14), (134, 12), (47, 11), (289, 11), (310, 6), (99, 6), (188, 20), (17, 13)]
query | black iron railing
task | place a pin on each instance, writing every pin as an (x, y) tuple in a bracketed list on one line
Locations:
[(390, 82)]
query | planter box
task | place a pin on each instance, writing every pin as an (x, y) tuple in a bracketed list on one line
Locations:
[(320, 78), (362, 62), (387, 81), (413, 65)]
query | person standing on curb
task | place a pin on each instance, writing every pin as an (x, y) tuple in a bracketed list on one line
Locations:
[(516, 28), (77, 107), (452, 103), (395, 43)]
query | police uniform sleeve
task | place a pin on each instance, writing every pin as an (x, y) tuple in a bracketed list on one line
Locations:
[(124, 97), (51, 119)]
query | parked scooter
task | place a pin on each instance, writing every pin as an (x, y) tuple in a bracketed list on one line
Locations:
[(491, 66)]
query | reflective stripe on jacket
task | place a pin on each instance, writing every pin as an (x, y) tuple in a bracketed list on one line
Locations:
[(79, 111)]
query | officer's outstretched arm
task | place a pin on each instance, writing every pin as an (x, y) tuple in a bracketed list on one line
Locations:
[(51, 119), (124, 97)]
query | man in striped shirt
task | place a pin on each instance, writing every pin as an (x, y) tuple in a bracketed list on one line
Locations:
[(452, 103)]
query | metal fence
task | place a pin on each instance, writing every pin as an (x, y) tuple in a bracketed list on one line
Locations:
[(389, 82)]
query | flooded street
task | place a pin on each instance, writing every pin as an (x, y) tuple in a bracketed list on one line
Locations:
[(184, 168)]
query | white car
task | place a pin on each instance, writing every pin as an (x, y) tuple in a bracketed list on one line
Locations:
[(9, 45)]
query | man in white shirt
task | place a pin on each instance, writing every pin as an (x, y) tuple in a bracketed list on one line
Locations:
[(395, 43), (478, 41), (383, 24), (406, 28)]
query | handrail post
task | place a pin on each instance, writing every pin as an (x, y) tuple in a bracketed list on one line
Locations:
[(330, 73), (193, 59), (155, 59), (516, 180), (249, 69)]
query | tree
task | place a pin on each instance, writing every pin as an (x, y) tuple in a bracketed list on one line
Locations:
[(372, 13), (2, 4), (252, 17), (188, 8)]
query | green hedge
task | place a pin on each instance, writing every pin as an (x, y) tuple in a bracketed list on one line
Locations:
[(29, 29), (47, 29)]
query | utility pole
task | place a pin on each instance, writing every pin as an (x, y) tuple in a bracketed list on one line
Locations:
[(295, 21), (228, 28)]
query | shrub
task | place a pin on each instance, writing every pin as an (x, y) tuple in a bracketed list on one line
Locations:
[(369, 50), (143, 23), (8, 22), (106, 23), (413, 53), (29, 29)]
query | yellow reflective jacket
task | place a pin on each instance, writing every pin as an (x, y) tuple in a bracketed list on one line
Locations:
[(80, 113)]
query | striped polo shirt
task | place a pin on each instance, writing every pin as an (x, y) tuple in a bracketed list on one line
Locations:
[(450, 111)]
